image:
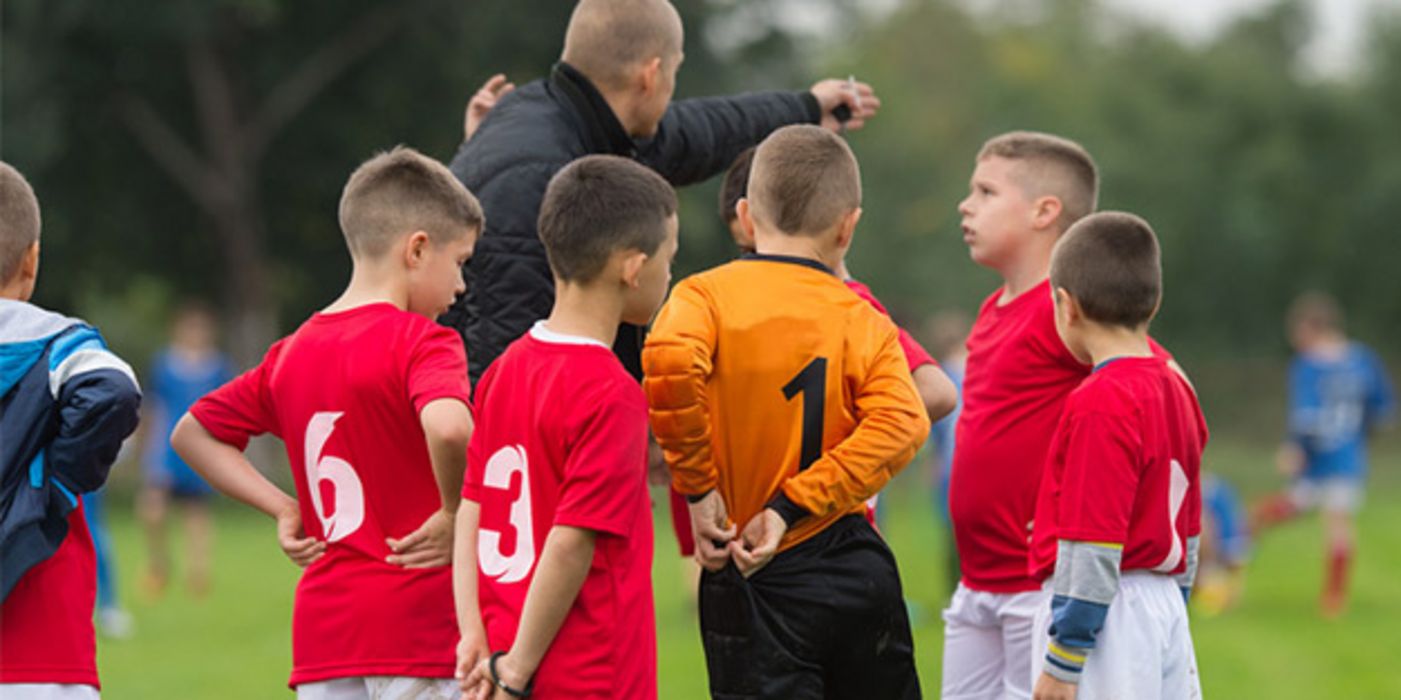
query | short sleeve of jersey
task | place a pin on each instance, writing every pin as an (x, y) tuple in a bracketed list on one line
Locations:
[(1100, 478), (604, 470), (242, 408), (915, 354), (438, 368)]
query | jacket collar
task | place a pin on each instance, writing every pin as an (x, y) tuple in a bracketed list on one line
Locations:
[(603, 132)]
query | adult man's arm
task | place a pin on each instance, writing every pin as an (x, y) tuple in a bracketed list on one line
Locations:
[(700, 137)]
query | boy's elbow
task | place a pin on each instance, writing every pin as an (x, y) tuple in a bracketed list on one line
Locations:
[(186, 435), (936, 391)]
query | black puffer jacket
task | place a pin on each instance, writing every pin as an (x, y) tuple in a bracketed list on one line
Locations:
[(534, 132)]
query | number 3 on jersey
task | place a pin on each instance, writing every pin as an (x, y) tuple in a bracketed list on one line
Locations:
[(348, 510), (505, 464)]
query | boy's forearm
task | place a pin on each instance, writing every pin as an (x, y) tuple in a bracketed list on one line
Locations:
[(563, 566), (447, 426), (1085, 583), (226, 468), (464, 568)]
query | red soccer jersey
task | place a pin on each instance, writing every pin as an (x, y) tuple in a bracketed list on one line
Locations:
[(915, 354), (1124, 468), (46, 633), (561, 439), (344, 394), (1018, 376)]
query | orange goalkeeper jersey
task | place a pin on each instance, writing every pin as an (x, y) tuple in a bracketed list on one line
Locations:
[(769, 374)]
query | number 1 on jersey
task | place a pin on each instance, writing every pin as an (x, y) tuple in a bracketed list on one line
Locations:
[(812, 384)]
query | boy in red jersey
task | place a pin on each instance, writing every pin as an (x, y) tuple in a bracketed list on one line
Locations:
[(370, 397), (1119, 510), (1026, 190), (552, 570), (66, 404)]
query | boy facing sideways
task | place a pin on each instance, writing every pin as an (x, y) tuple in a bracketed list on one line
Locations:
[(1119, 510), (1026, 190), (552, 571), (787, 414), (66, 405), (370, 397), (1339, 395)]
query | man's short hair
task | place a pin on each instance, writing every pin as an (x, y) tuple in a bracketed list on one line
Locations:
[(599, 205), (1053, 166), (403, 191), (1316, 310), (19, 220), (607, 38), (1110, 263), (735, 184), (804, 180)]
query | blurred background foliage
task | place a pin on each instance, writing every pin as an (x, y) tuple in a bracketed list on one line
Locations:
[(197, 149)]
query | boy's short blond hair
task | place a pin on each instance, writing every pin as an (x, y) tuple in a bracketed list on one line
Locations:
[(803, 181), (607, 38), (19, 220), (1054, 166), (400, 192)]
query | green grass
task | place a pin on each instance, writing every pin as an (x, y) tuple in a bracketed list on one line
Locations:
[(236, 642)]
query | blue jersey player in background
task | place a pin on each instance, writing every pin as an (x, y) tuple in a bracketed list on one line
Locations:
[(1339, 394), (189, 368)]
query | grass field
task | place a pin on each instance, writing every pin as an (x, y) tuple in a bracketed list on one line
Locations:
[(235, 643)]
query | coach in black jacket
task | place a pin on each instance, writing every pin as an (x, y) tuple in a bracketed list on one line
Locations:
[(611, 94)]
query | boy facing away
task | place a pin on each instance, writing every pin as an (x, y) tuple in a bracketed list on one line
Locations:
[(370, 397), (1119, 510), (66, 404), (1339, 394), (552, 569), (784, 401)]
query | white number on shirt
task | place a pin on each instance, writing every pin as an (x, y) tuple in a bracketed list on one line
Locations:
[(1177, 496), (507, 462), (349, 505)]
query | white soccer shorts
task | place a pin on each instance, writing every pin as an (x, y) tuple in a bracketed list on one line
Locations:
[(381, 688), (1144, 651), (47, 691), (988, 644)]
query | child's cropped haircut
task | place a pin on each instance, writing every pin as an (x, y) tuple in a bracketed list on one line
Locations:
[(599, 205), (736, 184), (19, 220), (1316, 311), (1054, 166), (400, 192), (804, 179), (1109, 262)]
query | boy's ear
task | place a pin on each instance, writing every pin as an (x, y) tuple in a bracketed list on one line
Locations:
[(1047, 211), (416, 248), (746, 216), (1066, 304), (846, 229), (631, 268)]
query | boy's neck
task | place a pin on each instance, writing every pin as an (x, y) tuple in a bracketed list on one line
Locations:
[(1021, 276), (371, 285), (806, 247), (1104, 343), (588, 311)]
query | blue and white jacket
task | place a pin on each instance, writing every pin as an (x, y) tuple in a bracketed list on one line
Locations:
[(66, 405)]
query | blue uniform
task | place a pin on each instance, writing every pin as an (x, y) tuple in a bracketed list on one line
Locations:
[(941, 436), (175, 384), (1221, 505), (1333, 404)]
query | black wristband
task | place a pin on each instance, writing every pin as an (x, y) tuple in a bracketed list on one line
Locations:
[(496, 679), (698, 497), (788, 510)]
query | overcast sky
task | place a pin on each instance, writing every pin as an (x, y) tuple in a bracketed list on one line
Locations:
[(1335, 48)]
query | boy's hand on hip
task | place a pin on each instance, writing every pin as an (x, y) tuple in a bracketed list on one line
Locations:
[(1050, 688), (710, 521), (428, 546), (302, 550), (758, 543)]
